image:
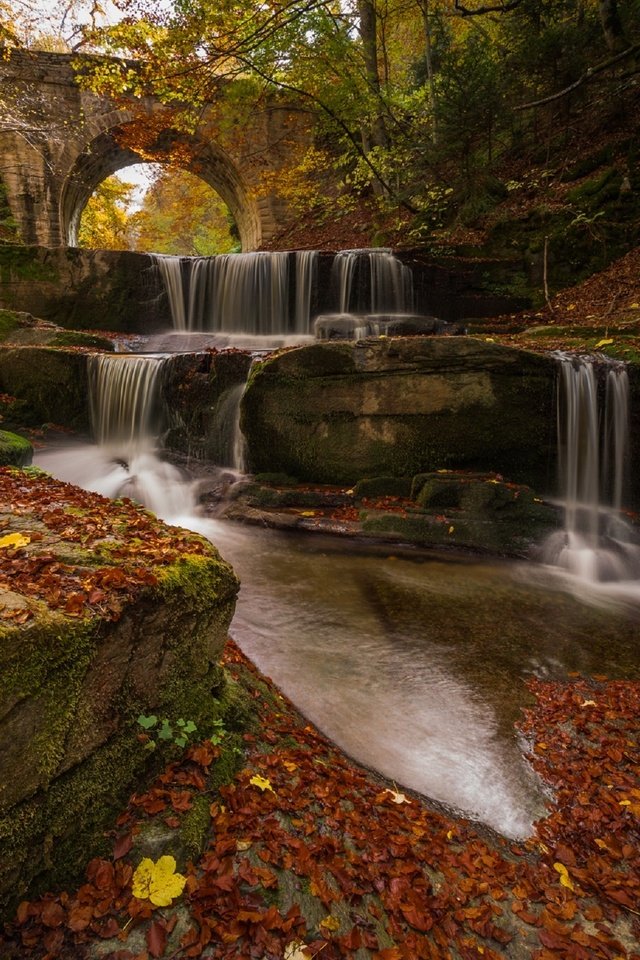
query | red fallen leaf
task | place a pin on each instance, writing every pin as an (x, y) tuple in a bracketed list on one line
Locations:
[(110, 928), (418, 920), (552, 941), (52, 915), (180, 799), (156, 937), (53, 942), (122, 846), (103, 876), (24, 912), (172, 822), (389, 953), (79, 917)]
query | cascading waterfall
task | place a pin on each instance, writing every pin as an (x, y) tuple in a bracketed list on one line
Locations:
[(306, 266), (250, 294), (230, 293), (596, 544), (390, 282), (123, 394)]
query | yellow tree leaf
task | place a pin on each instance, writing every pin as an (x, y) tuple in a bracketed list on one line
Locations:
[(261, 782), (158, 882), (603, 343), (565, 879), (297, 950), (14, 540), (330, 923)]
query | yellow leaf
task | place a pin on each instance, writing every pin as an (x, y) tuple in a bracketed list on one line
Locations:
[(588, 703), (449, 834), (330, 923), (451, 529), (14, 540), (603, 343), (635, 306), (600, 843), (158, 882), (290, 765), (307, 513), (261, 782), (624, 803), (571, 306), (243, 845), (565, 879)]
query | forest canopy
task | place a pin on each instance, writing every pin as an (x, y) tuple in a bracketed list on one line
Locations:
[(415, 102)]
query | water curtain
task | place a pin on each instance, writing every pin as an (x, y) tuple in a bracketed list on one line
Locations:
[(269, 294), (123, 400), (596, 543)]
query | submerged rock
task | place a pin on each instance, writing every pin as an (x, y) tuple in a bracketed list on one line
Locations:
[(105, 614)]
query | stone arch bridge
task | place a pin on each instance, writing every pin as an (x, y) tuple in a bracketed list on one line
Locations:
[(58, 141)]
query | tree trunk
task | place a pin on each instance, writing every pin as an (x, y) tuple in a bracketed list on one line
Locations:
[(612, 25), (368, 35)]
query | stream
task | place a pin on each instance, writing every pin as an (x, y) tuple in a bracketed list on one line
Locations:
[(414, 663)]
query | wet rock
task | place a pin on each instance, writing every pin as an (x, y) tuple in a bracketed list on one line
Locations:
[(339, 412)]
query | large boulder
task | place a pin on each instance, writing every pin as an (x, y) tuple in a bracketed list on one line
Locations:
[(49, 384), (338, 412), (105, 614)]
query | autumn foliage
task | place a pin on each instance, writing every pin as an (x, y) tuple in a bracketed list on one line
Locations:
[(308, 855)]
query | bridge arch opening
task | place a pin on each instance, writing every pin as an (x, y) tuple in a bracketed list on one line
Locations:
[(108, 154), (155, 208)]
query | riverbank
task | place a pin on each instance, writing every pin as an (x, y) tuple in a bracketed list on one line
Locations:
[(305, 854)]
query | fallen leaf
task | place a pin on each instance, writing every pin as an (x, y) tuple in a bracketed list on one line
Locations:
[(565, 879), (14, 540), (297, 950), (261, 782), (158, 882)]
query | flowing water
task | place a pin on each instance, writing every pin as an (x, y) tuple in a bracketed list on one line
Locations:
[(269, 295), (414, 664), (597, 550)]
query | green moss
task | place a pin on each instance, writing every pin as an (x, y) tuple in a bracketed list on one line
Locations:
[(24, 263), (591, 188), (383, 487), (74, 338), (195, 826), (8, 322), (15, 451)]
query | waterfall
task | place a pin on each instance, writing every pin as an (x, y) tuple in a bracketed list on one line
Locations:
[(596, 544), (390, 282), (256, 294), (230, 293), (123, 397), (228, 440), (306, 264)]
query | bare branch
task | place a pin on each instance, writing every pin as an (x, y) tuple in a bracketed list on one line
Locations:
[(477, 11), (586, 76)]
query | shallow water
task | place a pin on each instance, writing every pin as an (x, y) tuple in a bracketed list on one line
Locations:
[(415, 665)]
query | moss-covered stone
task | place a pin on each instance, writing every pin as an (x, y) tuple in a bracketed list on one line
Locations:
[(51, 385), (89, 639), (383, 487), (338, 413), (15, 451)]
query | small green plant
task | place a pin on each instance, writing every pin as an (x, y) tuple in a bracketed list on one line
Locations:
[(179, 732), (164, 729)]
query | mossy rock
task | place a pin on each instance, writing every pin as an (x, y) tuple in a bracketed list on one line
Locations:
[(399, 407), (15, 451), (51, 384), (382, 487), (111, 615)]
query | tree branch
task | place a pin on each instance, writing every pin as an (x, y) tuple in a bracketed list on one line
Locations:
[(497, 8), (586, 76)]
